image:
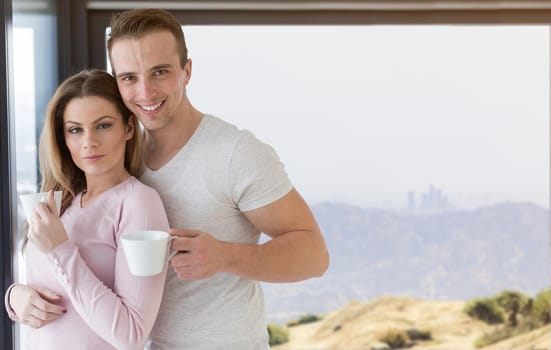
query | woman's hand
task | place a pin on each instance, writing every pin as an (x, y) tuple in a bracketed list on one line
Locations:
[(35, 306), (45, 228)]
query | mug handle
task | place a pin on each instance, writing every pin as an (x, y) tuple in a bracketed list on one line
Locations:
[(171, 255)]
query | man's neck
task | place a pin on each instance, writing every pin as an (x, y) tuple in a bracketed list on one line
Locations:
[(163, 144)]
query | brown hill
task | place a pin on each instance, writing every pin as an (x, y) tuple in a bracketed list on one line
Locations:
[(537, 339), (359, 325)]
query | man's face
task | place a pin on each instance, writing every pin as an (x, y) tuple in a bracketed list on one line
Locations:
[(151, 81)]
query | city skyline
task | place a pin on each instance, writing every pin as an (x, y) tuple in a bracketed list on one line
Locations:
[(433, 200)]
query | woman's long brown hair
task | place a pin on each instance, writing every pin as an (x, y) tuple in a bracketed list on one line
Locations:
[(58, 171)]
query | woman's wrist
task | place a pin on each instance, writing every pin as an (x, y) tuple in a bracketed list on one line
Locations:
[(7, 302)]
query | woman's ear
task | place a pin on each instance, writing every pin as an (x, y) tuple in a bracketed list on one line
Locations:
[(130, 127)]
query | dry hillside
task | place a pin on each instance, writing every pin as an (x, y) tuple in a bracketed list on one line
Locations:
[(358, 326), (537, 339)]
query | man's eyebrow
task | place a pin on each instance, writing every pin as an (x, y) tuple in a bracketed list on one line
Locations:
[(125, 74), (161, 66), (152, 69)]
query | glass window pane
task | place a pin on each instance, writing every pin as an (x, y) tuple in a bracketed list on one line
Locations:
[(423, 150), (35, 80), (25, 126), (24, 84)]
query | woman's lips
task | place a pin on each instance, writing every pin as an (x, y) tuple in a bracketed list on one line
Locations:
[(93, 158)]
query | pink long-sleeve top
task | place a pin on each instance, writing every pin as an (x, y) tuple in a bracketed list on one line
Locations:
[(107, 307)]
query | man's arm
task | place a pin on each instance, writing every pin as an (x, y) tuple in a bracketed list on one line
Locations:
[(297, 250)]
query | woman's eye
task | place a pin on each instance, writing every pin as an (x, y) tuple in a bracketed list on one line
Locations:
[(73, 130), (104, 126)]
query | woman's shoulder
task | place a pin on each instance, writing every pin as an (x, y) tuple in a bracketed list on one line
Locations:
[(135, 188)]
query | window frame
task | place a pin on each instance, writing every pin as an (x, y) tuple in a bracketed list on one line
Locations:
[(7, 166)]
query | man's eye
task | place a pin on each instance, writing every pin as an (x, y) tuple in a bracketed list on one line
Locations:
[(160, 72)]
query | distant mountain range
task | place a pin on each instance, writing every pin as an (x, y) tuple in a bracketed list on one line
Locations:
[(454, 255)]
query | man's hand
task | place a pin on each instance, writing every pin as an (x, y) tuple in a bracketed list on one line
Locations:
[(200, 255), (35, 306)]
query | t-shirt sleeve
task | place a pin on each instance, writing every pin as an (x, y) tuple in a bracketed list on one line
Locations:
[(257, 177), (125, 315)]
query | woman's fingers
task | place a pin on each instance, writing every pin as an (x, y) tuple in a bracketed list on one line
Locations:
[(34, 322), (35, 306), (51, 203), (44, 315), (46, 307), (47, 294)]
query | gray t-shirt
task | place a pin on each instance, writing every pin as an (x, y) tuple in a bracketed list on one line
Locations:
[(218, 174)]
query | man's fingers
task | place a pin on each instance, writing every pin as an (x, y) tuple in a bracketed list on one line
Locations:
[(183, 240), (182, 244), (183, 233), (181, 259)]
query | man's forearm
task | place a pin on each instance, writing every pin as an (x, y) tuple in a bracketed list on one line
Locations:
[(290, 257)]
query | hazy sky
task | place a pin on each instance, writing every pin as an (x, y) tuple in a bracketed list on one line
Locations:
[(364, 114)]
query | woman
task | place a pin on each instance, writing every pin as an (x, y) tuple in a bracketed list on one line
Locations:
[(90, 150)]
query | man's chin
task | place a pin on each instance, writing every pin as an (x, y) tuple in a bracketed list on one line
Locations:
[(151, 124)]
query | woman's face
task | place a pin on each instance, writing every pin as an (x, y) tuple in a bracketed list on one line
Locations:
[(96, 136)]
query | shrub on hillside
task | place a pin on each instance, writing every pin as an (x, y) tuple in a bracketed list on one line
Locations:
[(309, 319), (277, 334), (486, 310), (494, 337), (525, 325), (419, 334), (394, 338), (541, 307), (303, 320), (514, 303)]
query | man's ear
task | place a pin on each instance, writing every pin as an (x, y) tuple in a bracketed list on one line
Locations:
[(130, 127), (187, 71)]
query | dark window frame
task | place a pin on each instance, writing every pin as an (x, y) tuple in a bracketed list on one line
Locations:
[(7, 170), (82, 22)]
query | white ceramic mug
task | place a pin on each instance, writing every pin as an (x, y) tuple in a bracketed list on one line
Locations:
[(147, 251), (29, 201)]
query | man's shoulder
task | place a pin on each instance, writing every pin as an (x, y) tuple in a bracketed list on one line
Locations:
[(220, 133), (215, 125), (226, 129)]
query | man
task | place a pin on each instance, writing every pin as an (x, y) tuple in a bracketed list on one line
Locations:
[(220, 186)]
